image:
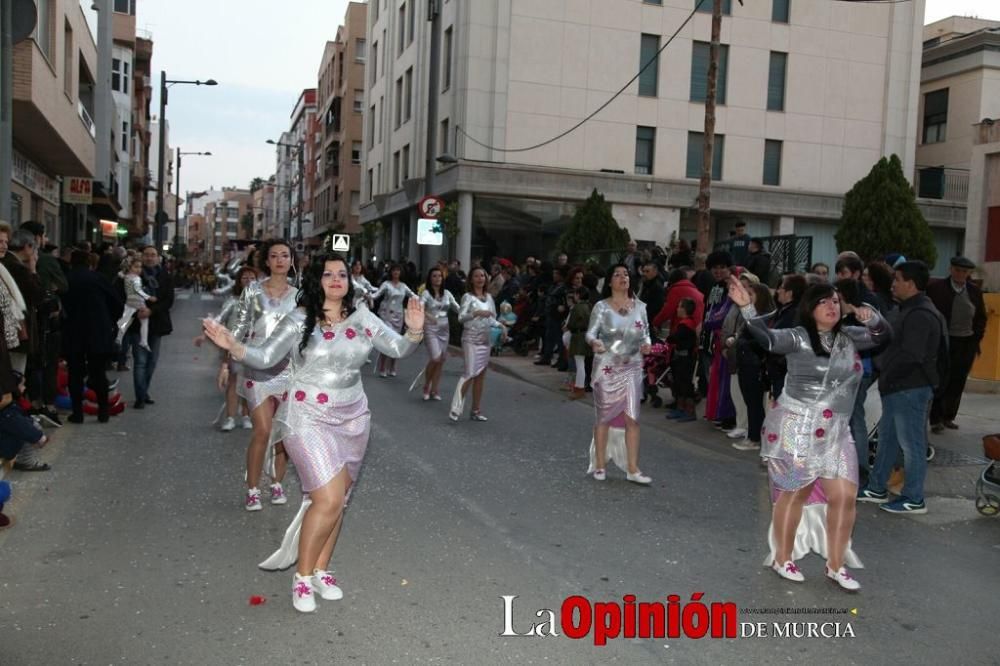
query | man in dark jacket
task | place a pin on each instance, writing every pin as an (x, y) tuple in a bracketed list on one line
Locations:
[(155, 281), (651, 288), (908, 377), (739, 245), (92, 309), (758, 261), (961, 304)]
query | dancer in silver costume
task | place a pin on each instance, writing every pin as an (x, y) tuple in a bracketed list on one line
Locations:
[(807, 437), (324, 418), (619, 335), (437, 302), (363, 289), (393, 293), (261, 307), (478, 315), (230, 370)]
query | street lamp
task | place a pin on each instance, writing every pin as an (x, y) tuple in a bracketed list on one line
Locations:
[(302, 176), (160, 217), (177, 196)]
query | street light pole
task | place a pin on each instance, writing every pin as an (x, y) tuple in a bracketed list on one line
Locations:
[(177, 196), (159, 218), (302, 175)]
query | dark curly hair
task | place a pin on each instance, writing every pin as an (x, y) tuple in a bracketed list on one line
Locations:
[(265, 250), (810, 299), (606, 292), (237, 284), (312, 297)]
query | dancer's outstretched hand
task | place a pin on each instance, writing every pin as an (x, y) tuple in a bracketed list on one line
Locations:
[(414, 315), (218, 334), (738, 294)]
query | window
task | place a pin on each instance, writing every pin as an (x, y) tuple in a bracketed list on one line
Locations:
[(645, 140), (410, 28), (374, 63), (359, 101), (699, 73), (116, 74), (399, 101), (355, 152), (125, 7), (360, 50), (385, 40), (370, 184), (446, 75), (381, 117), (124, 137), (355, 202), (125, 76), (776, 81), (445, 139), (43, 26), (935, 116), (653, 2), (779, 11), (772, 162), (696, 147), (405, 163), (649, 46), (374, 6), (395, 170), (402, 29), (409, 95), (706, 6), (68, 59), (371, 129)]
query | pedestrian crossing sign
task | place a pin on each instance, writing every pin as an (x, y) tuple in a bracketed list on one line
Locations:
[(340, 243)]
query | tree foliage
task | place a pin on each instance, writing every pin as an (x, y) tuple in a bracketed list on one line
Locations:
[(256, 184), (881, 217), (593, 228)]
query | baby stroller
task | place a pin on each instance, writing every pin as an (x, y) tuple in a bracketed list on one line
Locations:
[(988, 485), (655, 373)]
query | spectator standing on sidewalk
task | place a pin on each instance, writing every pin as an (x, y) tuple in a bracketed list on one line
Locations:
[(961, 304), (739, 244), (909, 374), (156, 281), (759, 261), (651, 288)]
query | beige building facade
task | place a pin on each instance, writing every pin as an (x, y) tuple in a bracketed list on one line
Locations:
[(812, 93)]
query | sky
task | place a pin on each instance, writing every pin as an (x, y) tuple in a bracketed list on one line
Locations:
[(263, 53)]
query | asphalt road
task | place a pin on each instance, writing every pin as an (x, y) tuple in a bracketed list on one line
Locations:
[(135, 549)]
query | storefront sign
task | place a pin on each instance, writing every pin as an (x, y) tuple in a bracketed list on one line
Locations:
[(78, 190)]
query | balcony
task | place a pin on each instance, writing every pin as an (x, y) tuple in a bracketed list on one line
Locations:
[(942, 183), (988, 131), (88, 122)]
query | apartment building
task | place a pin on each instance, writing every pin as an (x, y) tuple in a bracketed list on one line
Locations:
[(141, 137), (263, 210), (297, 150), (228, 219), (54, 81), (811, 94), (341, 105)]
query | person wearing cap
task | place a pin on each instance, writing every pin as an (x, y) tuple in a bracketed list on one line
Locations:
[(961, 303)]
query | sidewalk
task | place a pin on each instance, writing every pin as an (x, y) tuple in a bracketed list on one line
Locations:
[(952, 472)]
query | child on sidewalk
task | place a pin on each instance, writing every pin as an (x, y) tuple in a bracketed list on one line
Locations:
[(684, 340), (135, 300)]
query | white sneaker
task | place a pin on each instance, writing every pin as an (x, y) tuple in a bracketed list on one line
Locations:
[(600, 474), (736, 433), (247, 423), (843, 578), (639, 478), (325, 585), (302, 594), (392, 373), (746, 445), (278, 494), (253, 500), (788, 571), (228, 424)]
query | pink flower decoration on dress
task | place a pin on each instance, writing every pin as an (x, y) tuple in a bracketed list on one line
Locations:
[(638, 323), (772, 437), (857, 367), (368, 332), (300, 395), (322, 398), (249, 383), (608, 370), (284, 396), (350, 333), (820, 432), (827, 413), (328, 335)]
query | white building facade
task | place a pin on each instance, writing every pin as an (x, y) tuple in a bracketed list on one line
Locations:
[(811, 94)]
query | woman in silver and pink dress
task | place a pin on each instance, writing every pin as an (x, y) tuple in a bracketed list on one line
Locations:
[(437, 301), (393, 294), (258, 312), (323, 418), (478, 315), (806, 439), (619, 335)]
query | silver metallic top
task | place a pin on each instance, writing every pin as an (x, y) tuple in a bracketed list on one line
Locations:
[(477, 329), (334, 356), (227, 315), (363, 289), (623, 334), (436, 309), (828, 381), (257, 314), (392, 296)]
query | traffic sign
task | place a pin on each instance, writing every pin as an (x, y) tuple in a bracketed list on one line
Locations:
[(340, 243), (430, 206)]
